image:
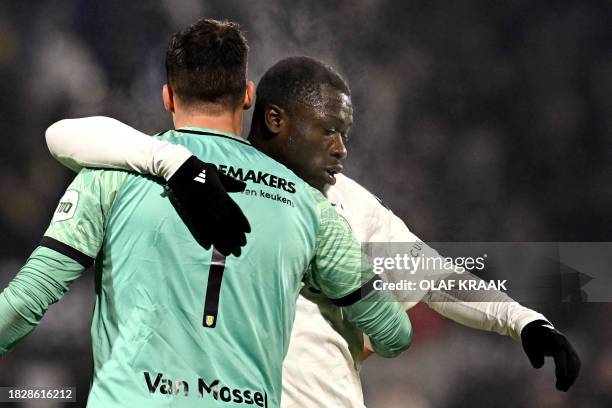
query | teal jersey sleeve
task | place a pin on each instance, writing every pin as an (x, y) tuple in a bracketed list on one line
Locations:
[(336, 269), (80, 219), (43, 280), (383, 319), (70, 244), (339, 272)]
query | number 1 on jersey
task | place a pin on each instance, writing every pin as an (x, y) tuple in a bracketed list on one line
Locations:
[(211, 300)]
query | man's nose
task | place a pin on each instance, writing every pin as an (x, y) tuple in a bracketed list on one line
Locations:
[(338, 149)]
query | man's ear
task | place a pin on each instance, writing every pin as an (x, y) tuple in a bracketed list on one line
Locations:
[(275, 118), (168, 97), (249, 95)]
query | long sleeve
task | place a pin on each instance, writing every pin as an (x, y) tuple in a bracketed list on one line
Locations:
[(42, 281), (492, 311), (373, 222), (388, 327), (71, 242), (104, 142)]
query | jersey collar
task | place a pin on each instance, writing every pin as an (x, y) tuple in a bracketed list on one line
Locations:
[(212, 132)]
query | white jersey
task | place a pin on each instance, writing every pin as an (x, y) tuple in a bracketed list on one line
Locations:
[(325, 353), (321, 368)]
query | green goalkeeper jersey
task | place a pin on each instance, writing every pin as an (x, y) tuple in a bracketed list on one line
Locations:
[(177, 325)]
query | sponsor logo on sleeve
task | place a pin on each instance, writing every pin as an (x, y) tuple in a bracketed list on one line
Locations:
[(66, 207)]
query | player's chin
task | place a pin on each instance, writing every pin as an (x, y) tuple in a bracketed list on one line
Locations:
[(319, 183)]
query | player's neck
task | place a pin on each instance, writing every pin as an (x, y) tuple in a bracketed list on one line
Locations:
[(230, 122), (325, 189)]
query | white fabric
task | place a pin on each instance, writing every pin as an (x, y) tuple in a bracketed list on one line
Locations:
[(373, 222), (321, 368), (107, 143)]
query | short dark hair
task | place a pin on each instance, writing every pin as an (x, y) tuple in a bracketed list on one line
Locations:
[(207, 62), (296, 81)]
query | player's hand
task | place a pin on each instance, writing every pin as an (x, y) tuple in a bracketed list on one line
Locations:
[(201, 194), (541, 339)]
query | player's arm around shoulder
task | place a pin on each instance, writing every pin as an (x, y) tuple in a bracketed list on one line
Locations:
[(199, 191), (103, 142), (339, 271)]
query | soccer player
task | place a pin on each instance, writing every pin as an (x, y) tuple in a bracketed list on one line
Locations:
[(174, 324), (302, 117)]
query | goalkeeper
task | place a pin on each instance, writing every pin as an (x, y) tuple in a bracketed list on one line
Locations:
[(173, 324)]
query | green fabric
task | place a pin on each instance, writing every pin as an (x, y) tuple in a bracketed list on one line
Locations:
[(385, 322), (151, 281), (337, 268), (90, 198), (43, 280)]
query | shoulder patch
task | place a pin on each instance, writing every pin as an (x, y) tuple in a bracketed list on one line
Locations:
[(66, 207)]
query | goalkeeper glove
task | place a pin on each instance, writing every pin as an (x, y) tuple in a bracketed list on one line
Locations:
[(200, 193), (541, 339)]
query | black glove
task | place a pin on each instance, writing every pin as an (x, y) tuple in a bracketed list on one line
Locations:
[(541, 339), (200, 193)]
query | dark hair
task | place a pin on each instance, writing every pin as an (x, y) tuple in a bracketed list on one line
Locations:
[(207, 62), (296, 80)]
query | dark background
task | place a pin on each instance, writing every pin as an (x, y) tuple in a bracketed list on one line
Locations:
[(474, 121)]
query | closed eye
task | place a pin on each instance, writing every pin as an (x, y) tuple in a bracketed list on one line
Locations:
[(329, 131)]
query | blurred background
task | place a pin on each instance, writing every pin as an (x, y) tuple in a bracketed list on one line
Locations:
[(474, 120)]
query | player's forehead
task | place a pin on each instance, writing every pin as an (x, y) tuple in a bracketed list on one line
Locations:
[(333, 104)]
